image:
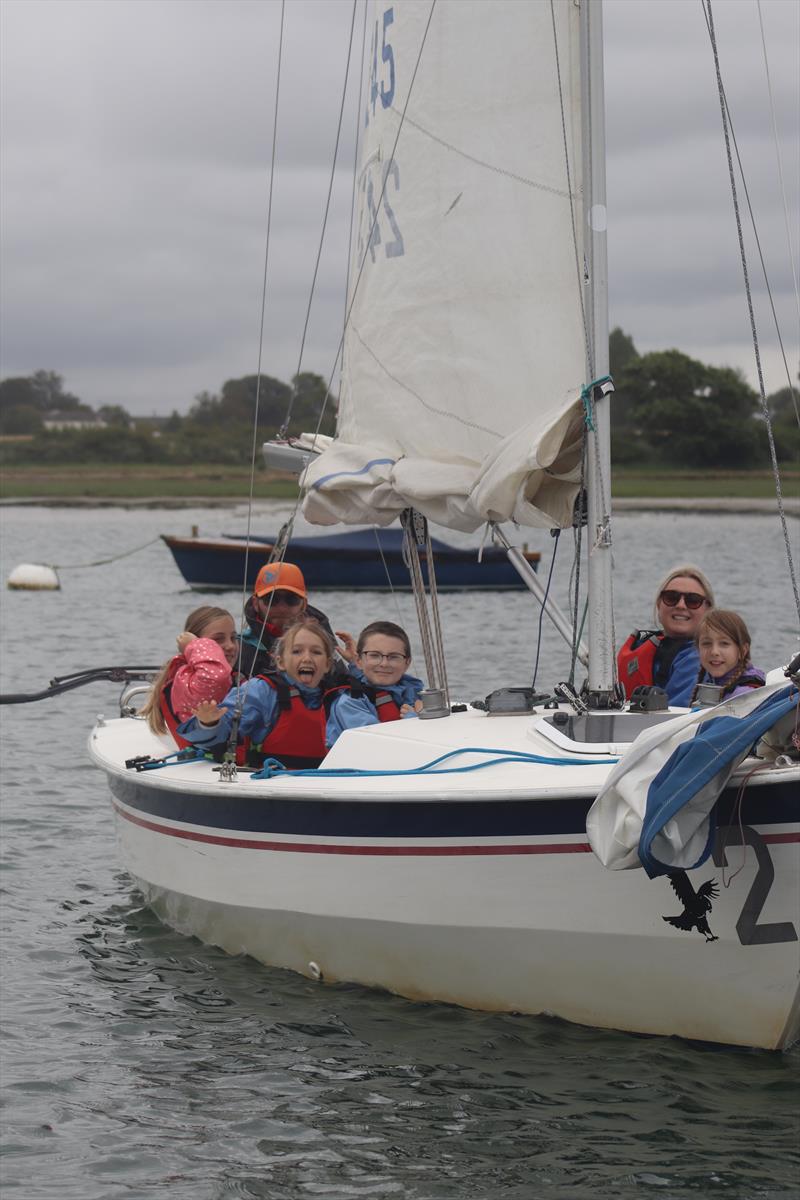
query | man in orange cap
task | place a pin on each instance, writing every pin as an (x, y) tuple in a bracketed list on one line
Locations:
[(279, 598)]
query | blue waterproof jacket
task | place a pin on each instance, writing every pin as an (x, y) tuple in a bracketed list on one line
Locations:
[(259, 714), (351, 712)]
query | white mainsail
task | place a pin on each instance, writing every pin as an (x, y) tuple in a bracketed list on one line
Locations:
[(464, 352)]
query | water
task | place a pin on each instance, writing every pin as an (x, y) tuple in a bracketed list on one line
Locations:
[(137, 1063)]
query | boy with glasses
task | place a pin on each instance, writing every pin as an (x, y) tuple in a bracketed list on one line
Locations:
[(379, 687), (667, 657)]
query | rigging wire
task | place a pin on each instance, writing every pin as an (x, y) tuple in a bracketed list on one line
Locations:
[(356, 149), (416, 580), (780, 164), (754, 227), (393, 591), (748, 292), (757, 239), (282, 432), (557, 537), (290, 523), (580, 274), (254, 445), (368, 239)]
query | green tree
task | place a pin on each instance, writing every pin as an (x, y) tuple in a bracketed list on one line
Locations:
[(114, 414), (48, 388), (18, 392), (311, 399), (621, 351), (690, 414), (19, 419), (232, 411), (783, 409), (626, 447)]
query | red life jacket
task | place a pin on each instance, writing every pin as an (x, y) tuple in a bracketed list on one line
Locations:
[(297, 738), (167, 711), (386, 706), (636, 659)]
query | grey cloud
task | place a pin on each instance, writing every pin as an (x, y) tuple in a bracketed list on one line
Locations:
[(135, 143)]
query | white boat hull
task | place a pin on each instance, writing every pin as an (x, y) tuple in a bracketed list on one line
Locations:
[(361, 881)]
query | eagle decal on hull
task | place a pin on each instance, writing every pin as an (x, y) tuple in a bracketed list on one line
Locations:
[(696, 904)]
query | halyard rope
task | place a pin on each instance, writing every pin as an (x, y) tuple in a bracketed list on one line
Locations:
[(764, 406)]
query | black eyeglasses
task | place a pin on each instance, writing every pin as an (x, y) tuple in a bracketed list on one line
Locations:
[(692, 600), (375, 656), (289, 598)]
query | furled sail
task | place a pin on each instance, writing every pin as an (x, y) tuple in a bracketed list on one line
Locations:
[(464, 352)]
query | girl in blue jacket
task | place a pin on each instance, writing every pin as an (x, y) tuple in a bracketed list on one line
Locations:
[(283, 712)]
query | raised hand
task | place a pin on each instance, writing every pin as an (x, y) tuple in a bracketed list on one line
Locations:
[(208, 712), (348, 651)]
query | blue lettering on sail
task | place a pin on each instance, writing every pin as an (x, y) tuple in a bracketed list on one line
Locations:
[(369, 232), (387, 94), (396, 247), (386, 88), (372, 217)]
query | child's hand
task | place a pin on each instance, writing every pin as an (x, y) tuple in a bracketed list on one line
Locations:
[(208, 712), (183, 640), (350, 652), (411, 708)]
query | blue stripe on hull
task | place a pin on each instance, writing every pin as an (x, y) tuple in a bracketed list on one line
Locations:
[(775, 805)]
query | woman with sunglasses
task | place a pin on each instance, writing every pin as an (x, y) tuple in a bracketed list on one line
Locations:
[(667, 657), (279, 598)]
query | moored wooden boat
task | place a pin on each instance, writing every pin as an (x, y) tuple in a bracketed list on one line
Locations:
[(360, 560)]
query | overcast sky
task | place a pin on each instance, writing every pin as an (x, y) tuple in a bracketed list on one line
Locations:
[(133, 187)]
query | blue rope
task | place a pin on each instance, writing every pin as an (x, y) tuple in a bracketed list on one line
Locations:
[(188, 754), (586, 397), (273, 767)]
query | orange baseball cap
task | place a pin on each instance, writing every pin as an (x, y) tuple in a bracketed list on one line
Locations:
[(284, 576)]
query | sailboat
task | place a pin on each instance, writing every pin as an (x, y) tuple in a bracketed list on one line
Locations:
[(447, 858)]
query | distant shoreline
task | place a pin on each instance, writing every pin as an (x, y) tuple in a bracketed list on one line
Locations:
[(703, 504)]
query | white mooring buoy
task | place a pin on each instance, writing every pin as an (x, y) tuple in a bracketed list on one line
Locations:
[(34, 577)]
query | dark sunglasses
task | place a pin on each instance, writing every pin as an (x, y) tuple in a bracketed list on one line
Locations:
[(290, 598), (692, 600)]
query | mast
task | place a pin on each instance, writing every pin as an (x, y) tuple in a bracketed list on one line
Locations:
[(602, 653)]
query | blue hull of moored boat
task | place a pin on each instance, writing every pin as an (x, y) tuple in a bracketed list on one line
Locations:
[(366, 560)]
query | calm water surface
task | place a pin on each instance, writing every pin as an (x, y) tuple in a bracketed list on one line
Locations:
[(137, 1063)]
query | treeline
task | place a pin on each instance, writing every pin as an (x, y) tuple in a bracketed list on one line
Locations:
[(217, 428), (668, 410), (673, 411)]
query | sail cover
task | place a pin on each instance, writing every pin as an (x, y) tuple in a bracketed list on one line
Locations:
[(464, 350), (655, 809)]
